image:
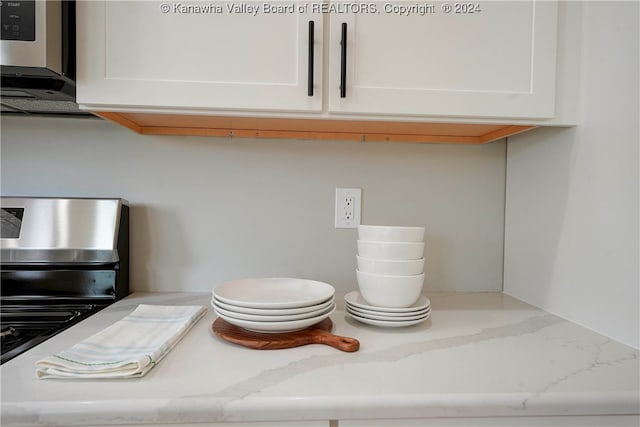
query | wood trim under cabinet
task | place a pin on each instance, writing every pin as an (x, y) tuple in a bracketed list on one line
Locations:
[(354, 130)]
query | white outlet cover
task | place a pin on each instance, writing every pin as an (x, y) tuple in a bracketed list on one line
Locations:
[(347, 207)]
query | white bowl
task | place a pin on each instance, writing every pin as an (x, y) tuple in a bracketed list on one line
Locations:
[(390, 291), (382, 233), (390, 250), (403, 267)]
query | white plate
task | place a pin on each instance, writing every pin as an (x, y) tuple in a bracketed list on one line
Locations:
[(275, 327), (385, 323), (284, 318), (274, 292), (381, 312), (355, 299), (381, 316), (271, 311)]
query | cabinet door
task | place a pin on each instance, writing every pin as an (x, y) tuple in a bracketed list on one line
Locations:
[(492, 59), (201, 55)]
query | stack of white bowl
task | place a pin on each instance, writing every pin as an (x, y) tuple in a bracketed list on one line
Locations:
[(273, 305), (390, 274)]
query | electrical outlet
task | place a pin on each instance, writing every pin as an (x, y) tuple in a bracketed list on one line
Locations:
[(347, 213)]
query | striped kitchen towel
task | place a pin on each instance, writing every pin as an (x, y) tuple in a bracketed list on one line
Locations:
[(127, 349)]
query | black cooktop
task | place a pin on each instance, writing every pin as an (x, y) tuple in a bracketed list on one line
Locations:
[(22, 326)]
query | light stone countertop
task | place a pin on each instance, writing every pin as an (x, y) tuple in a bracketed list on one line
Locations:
[(480, 355)]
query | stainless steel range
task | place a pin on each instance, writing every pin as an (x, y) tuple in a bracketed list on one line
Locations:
[(62, 260)]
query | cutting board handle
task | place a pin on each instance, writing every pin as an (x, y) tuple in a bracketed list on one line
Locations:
[(336, 341)]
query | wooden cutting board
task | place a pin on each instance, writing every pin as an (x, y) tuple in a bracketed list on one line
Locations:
[(315, 334)]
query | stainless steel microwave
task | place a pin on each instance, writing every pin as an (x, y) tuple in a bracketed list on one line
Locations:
[(38, 56)]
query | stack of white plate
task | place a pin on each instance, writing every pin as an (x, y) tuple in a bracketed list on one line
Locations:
[(359, 309), (273, 305)]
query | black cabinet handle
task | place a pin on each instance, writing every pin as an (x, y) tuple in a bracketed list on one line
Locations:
[(343, 62), (310, 65)]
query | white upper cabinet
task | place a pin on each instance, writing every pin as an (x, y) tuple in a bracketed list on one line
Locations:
[(199, 55), (474, 71), (493, 59)]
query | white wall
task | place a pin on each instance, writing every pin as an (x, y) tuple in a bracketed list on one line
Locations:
[(207, 210), (571, 239)]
